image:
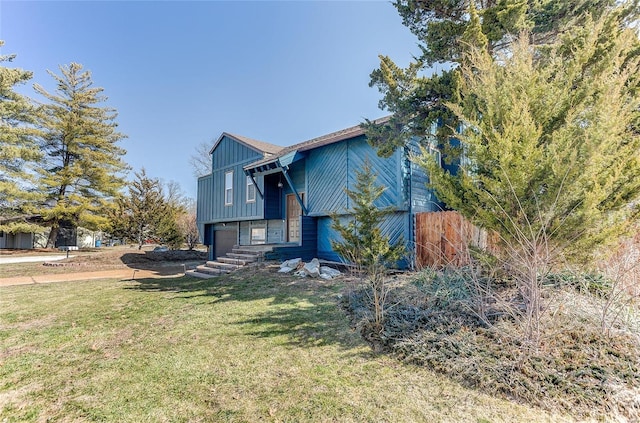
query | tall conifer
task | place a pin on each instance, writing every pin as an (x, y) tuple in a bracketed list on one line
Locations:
[(83, 168), (18, 149)]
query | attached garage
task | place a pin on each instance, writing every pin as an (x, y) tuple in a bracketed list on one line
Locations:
[(224, 239)]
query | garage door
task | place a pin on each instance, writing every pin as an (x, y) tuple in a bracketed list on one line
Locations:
[(224, 241)]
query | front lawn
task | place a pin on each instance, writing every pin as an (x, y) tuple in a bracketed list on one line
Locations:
[(253, 346)]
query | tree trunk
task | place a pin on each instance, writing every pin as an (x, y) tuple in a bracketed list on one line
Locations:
[(53, 235)]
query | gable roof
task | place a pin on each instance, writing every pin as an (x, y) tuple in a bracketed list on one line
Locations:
[(259, 146), (323, 140)]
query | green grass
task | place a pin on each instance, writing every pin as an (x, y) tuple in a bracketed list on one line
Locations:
[(249, 347)]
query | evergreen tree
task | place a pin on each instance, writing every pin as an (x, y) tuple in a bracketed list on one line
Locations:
[(363, 243), (147, 213), (18, 149), (83, 168), (444, 29), (142, 209), (551, 148)]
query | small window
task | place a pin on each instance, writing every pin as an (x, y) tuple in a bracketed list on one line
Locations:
[(251, 191), (258, 235), (228, 188)]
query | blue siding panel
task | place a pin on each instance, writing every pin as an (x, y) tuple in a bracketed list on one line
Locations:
[(387, 171), (273, 203), (275, 231), (332, 168), (204, 209), (327, 176), (325, 235)]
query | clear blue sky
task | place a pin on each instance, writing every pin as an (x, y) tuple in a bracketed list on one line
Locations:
[(180, 73)]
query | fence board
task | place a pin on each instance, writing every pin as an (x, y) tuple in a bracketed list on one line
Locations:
[(443, 239)]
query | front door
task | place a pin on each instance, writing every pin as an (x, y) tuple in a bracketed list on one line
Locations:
[(294, 211)]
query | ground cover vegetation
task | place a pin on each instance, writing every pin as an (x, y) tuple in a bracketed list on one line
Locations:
[(250, 346), (432, 320)]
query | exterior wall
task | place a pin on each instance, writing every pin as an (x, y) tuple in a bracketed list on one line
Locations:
[(298, 175), (275, 231), (395, 225), (229, 155), (21, 240), (332, 168), (87, 238), (204, 206)]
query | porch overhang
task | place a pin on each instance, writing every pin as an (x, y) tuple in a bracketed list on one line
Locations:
[(277, 165)]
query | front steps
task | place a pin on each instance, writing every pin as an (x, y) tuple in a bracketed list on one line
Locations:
[(240, 256)]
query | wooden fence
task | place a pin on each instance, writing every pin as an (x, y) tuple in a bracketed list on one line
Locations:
[(443, 239)]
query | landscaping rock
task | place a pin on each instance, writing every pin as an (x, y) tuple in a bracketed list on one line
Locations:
[(290, 265), (312, 268), (328, 272)]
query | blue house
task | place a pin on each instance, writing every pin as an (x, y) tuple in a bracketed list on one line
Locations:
[(260, 194)]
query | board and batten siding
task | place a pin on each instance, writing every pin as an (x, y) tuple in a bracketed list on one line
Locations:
[(230, 155), (204, 209), (332, 168)]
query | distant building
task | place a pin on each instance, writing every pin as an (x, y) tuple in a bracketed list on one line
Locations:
[(18, 240), (68, 235)]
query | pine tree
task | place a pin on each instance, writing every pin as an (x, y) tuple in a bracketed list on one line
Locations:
[(18, 149), (444, 28), (363, 243), (145, 205), (83, 168)]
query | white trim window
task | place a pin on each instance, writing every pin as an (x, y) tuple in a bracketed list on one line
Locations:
[(251, 190), (228, 188)]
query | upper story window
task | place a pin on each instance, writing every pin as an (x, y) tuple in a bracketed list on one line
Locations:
[(228, 188), (251, 191)]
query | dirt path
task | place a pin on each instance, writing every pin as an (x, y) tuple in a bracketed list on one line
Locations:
[(124, 274)]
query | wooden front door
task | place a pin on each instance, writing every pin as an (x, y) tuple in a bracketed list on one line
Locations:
[(294, 211)]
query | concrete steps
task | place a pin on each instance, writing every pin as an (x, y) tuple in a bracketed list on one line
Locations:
[(236, 261), (240, 256)]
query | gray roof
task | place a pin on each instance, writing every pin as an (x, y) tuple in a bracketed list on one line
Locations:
[(261, 146), (327, 139)]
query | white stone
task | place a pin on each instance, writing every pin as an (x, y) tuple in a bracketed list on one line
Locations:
[(312, 268)]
